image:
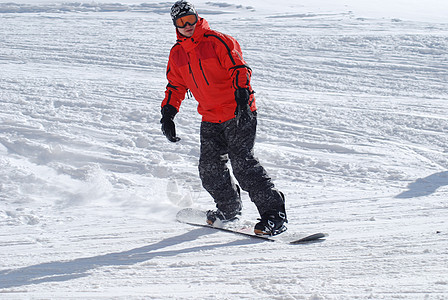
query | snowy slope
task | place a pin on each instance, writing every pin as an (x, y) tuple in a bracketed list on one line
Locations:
[(353, 122)]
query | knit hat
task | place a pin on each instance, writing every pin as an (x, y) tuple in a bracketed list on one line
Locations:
[(182, 8)]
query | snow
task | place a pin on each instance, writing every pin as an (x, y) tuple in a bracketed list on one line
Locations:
[(353, 124)]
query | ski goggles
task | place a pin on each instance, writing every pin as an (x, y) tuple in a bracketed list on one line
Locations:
[(185, 20)]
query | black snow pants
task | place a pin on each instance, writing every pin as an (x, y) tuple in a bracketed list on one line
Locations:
[(229, 140)]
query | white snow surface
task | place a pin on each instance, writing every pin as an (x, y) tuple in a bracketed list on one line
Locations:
[(353, 128)]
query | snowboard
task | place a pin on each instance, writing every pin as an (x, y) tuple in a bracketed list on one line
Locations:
[(196, 217)]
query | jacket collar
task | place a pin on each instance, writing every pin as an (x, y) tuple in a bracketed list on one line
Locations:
[(189, 43)]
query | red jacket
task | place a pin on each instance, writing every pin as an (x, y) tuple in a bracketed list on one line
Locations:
[(210, 65)]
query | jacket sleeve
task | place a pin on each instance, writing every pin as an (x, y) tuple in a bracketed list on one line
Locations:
[(231, 57), (176, 87)]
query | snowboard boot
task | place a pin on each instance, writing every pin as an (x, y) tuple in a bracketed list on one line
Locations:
[(272, 222), (214, 215), (232, 212)]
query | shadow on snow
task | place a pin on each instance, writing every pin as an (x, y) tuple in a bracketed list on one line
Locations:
[(425, 186), (80, 267)]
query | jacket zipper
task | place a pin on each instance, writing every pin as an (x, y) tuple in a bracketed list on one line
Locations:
[(203, 73), (192, 75)]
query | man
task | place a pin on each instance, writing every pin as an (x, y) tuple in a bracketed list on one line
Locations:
[(211, 66)]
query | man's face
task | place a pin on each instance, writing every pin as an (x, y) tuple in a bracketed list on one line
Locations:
[(188, 30)]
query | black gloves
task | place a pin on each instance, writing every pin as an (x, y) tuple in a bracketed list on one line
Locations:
[(168, 127), (242, 96)]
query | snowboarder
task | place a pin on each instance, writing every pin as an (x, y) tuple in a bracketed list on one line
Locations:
[(210, 64)]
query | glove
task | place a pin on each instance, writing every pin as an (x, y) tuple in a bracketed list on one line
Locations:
[(242, 96), (168, 127)]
